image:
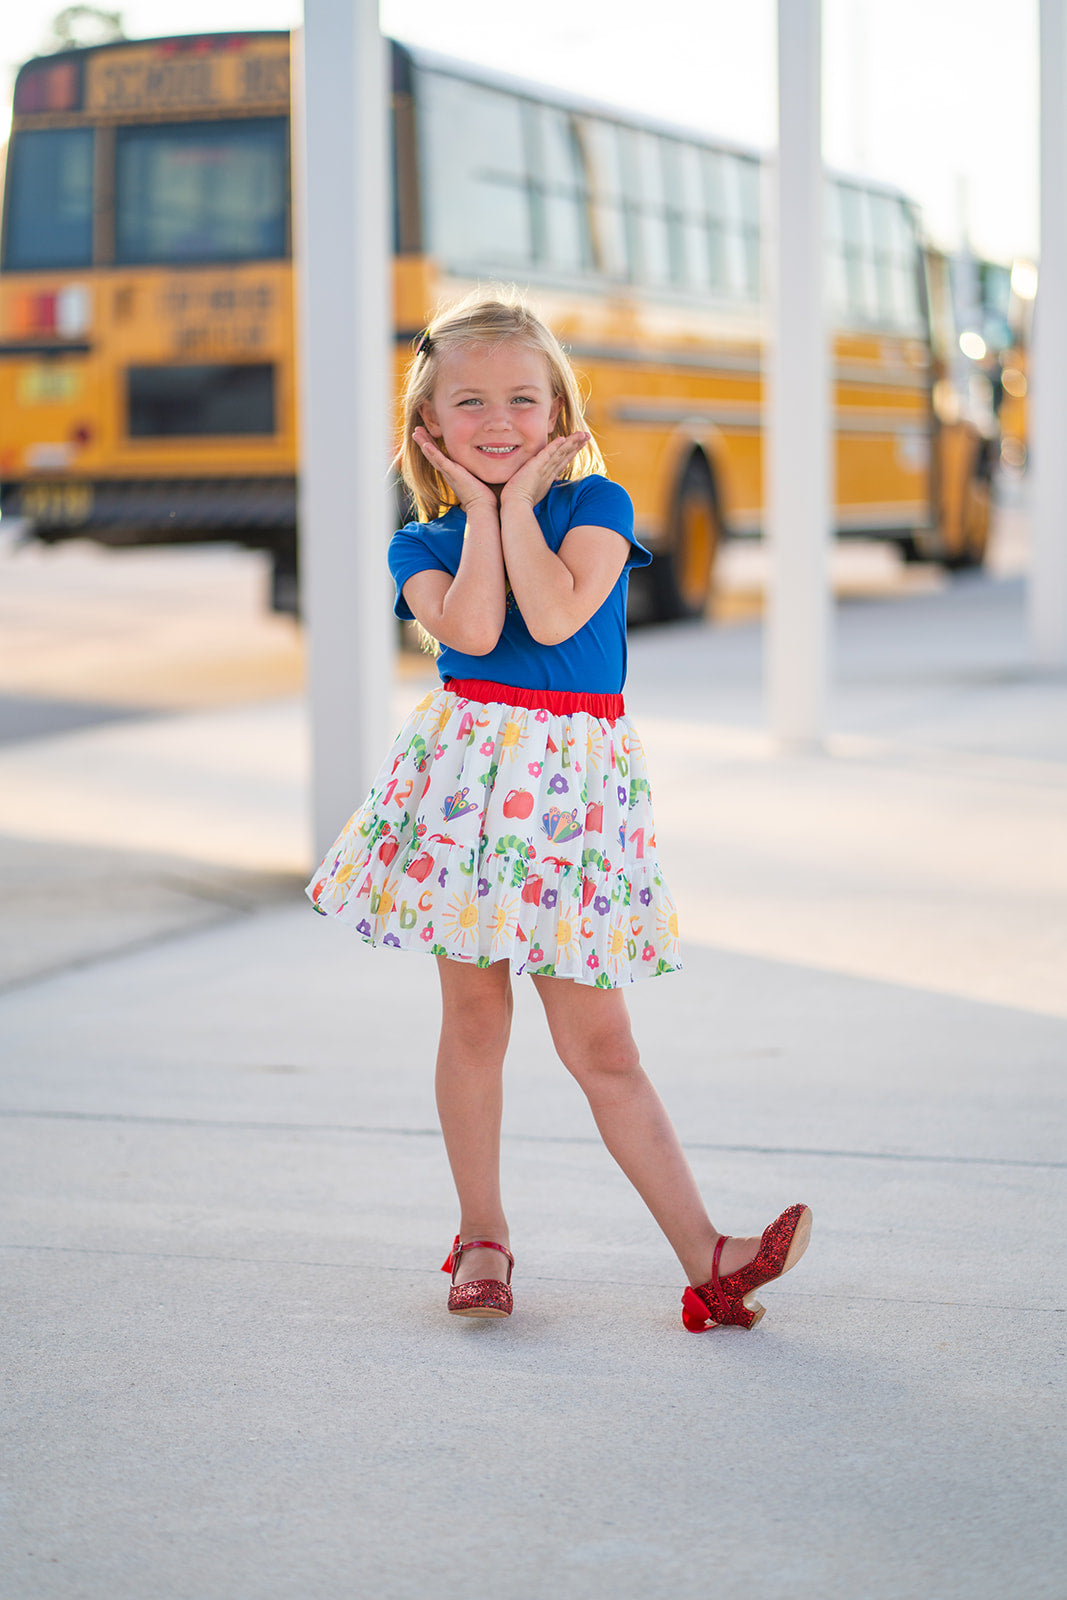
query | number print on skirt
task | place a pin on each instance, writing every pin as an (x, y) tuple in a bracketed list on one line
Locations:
[(495, 832)]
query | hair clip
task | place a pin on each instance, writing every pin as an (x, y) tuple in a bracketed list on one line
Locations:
[(425, 344)]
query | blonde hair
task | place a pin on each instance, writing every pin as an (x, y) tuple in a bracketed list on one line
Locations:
[(484, 318)]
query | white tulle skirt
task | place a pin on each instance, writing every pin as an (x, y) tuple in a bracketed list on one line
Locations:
[(508, 832)]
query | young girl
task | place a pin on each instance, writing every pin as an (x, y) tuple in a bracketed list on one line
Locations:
[(510, 829)]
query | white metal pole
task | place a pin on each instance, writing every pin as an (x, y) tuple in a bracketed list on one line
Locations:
[(340, 173), (1048, 405), (796, 411)]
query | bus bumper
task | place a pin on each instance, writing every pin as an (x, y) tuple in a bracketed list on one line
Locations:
[(252, 511)]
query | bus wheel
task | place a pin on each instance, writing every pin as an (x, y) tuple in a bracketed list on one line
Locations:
[(285, 578), (682, 572), (975, 516)]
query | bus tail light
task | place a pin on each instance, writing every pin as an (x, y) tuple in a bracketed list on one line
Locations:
[(55, 86), (203, 44), (61, 311), (33, 313)]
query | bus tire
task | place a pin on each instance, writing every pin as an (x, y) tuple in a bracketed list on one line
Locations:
[(910, 553), (975, 519), (285, 578), (681, 573)]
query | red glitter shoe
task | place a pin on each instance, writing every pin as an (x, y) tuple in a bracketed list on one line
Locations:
[(728, 1301), (484, 1297)]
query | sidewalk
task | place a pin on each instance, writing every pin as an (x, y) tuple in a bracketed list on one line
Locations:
[(226, 1198)]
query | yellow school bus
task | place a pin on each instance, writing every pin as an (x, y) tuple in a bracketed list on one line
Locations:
[(147, 374)]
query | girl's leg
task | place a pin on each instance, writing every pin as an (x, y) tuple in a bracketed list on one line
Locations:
[(476, 1007), (591, 1032)]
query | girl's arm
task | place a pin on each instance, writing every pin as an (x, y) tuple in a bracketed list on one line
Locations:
[(465, 612), (557, 593)]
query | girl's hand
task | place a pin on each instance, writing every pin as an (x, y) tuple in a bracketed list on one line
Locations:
[(468, 490), (533, 481)]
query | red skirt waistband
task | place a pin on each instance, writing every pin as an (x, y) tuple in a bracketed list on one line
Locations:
[(561, 702)]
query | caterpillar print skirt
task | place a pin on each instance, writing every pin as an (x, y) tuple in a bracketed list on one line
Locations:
[(509, 824)]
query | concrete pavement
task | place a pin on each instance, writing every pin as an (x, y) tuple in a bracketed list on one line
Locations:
[(226, 1199)]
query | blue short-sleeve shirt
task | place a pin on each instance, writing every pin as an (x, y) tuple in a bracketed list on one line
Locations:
[(591, 661)]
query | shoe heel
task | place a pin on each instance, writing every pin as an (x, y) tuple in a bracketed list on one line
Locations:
[(731, 1314), (748, 1314)]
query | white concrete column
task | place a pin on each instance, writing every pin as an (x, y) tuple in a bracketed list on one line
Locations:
[(1048, 354), (342, 247), (796, 407)]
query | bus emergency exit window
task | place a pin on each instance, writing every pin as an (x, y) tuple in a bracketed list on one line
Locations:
[(193, 401)]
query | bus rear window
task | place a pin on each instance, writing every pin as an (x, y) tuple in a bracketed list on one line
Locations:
[(50, 204), (189, 402), (202, 191)]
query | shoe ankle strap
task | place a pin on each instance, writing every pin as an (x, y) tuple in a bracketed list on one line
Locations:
[(475, 1244), (720, 1299)]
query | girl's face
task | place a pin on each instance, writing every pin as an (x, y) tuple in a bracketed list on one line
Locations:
[(492, 408)]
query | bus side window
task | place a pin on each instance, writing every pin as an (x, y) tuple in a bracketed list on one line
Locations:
[(646, 187), (880, 248), (995, 295), (837, 284), (894, 250), (563, 234), (693, 232), (749, 174), (478, 194), (736, 253), (610, 234), (669, 166), (715, 192), (859, 257), (906, 269)]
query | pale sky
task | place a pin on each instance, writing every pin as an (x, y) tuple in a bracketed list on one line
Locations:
[(936, 96)]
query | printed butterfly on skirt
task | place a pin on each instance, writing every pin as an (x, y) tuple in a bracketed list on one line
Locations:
[(561, 825), (457, 805)]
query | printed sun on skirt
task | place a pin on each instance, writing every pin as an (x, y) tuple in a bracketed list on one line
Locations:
[(500, 832)]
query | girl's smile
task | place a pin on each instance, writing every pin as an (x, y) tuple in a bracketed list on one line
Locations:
[(493, 408)]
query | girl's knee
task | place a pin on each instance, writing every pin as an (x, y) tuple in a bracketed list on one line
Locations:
[(604, 1053), (476, 1002), (591, 1031)]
